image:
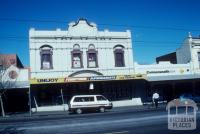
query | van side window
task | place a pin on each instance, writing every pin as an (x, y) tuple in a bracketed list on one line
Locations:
[(77, 99), (90, 98), (101, 98), (83, 99)]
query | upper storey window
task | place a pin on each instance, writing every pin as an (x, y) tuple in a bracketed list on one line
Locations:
[(46, 53), (119, 56), (77, 61), (199, 58), (92, 61)]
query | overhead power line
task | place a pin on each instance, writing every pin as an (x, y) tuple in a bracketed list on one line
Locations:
[(103, 24), (31, 20), (136, 43)]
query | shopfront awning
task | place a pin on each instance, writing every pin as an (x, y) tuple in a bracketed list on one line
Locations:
[(15, 85), (173, 77), (85, 79)]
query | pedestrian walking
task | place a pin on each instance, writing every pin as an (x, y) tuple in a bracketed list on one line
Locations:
[(155, 98)]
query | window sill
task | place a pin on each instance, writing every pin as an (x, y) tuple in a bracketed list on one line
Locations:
[(76, 67), (93, 67), (120, 66), (46, 69)]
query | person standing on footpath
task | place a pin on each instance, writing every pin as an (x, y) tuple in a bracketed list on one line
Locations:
[(155, 98)]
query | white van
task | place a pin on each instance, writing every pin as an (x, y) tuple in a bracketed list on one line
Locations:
[(79, 103)]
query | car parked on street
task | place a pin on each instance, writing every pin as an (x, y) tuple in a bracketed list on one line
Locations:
[(80, 103)]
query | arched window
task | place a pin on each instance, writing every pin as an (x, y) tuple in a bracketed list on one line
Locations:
[(92, 60), (46, 53), (119, 56), (77, 61)]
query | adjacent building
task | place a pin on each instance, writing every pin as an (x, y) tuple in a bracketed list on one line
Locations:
[(189, 52), (171, 57), (172, 80), (14, 83)]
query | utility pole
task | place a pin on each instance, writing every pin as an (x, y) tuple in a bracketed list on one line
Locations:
[(62, 98), (2, 90), (29, 97), (2, 108)]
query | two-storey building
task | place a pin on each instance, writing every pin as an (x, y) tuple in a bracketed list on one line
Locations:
[(80, 60), (81, 50)]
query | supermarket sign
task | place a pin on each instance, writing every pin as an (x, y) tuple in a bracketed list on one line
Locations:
[(84, 79)]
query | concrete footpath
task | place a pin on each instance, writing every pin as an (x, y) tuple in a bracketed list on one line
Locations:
[(25, 116)]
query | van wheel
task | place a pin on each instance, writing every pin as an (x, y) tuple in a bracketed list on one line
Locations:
[(102, 109), (78, 111)]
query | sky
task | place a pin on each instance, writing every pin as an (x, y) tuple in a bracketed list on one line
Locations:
[(158, 27)]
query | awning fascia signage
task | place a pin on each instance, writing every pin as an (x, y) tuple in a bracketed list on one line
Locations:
[(46, 80), (84, 79)]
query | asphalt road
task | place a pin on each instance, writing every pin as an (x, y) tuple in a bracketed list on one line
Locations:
[(111, 122)]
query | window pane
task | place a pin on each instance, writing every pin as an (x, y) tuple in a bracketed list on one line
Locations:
[(77, 99), (46, 61), (92, 56), (101, 98), (83, 99), (76, 60), (92, 59), (199, 58), (181, 110), (119, 59), (46, 57), (190, 110), (89, 99), (172, 110)]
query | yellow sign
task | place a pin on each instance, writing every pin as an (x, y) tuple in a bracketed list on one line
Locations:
[(125, 77), (181, 71), (84, 79), (75, 79), (47, 80)]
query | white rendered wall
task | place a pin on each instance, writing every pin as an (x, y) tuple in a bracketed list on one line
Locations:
[(84, 35), (188, 53), (163, 69), (195, 48), (184, 53)]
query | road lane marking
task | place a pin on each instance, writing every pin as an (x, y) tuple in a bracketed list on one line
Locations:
[(86, 124), (78, 124), (119, 132)]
